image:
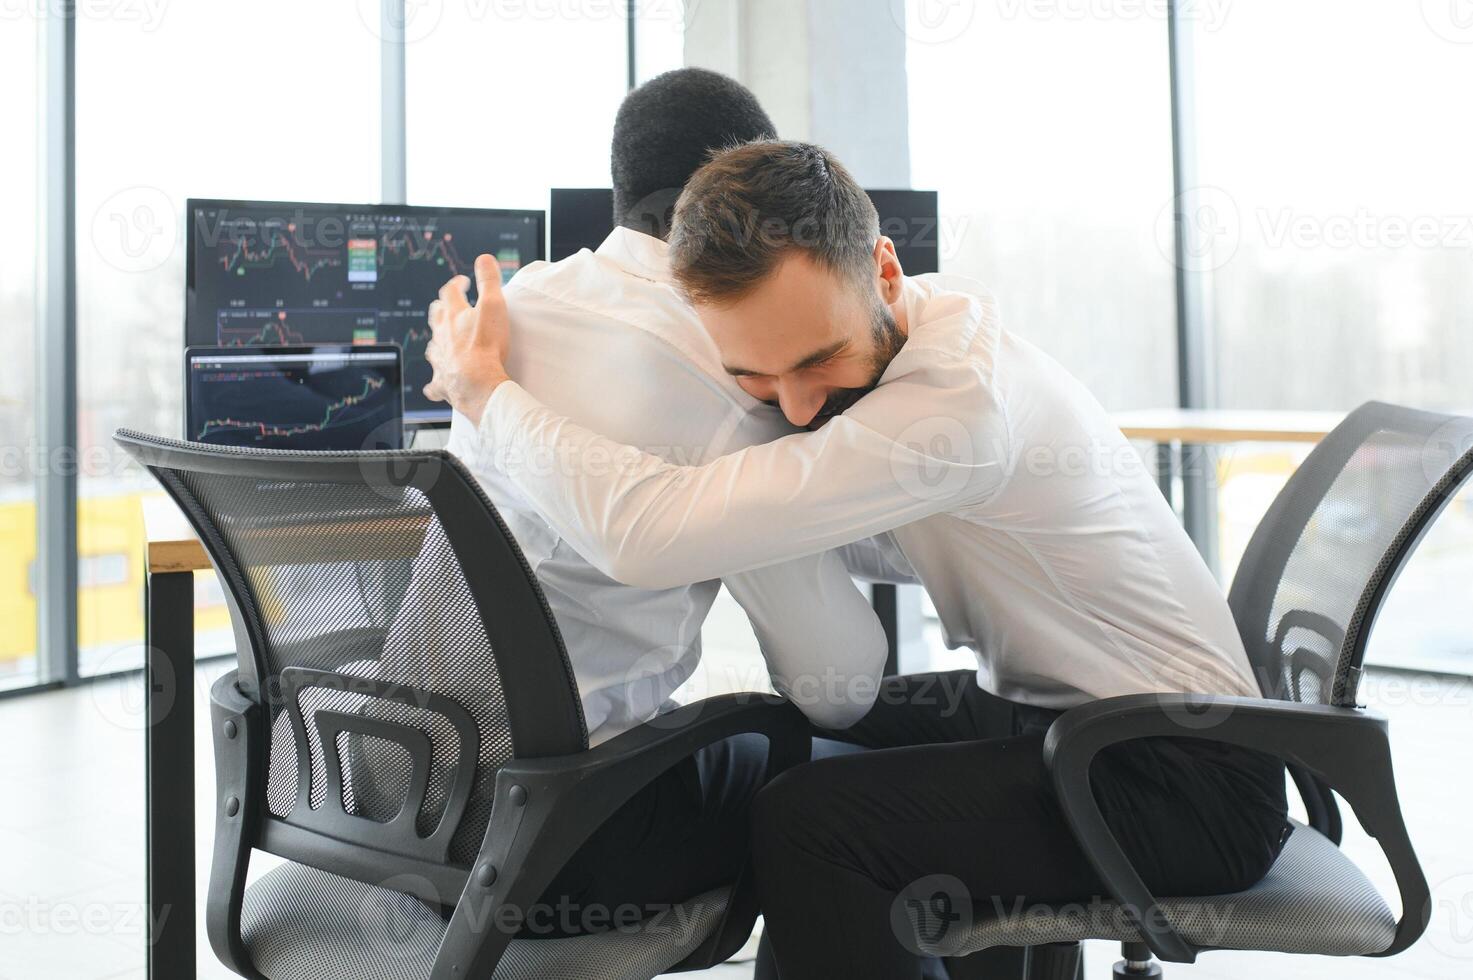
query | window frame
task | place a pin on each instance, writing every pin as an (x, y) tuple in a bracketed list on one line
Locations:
[(57, 559)]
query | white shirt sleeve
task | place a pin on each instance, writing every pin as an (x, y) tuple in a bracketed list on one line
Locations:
[(824, 647), (930, 440)]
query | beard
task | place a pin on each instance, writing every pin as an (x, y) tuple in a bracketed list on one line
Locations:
[(888, 341)]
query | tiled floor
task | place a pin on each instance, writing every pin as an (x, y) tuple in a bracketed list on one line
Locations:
[(71, 819)]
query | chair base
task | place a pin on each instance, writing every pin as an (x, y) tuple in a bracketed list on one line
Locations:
[(1137, 964)]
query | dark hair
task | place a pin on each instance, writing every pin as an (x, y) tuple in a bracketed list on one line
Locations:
[(666, 129), (752, 206)]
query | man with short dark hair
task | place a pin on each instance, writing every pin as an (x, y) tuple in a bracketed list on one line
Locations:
[(666, 130), (604, 337), (1039, 535)]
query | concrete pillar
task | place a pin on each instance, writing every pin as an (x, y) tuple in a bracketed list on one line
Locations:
[(830, 72)]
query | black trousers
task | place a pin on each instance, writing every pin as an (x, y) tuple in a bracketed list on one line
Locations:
[(956, 798), (686, 833)]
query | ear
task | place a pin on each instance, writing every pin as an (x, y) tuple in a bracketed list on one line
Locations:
[(891, 277)]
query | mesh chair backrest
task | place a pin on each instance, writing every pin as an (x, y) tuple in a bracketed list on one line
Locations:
[(1314, 576), (390, 623)]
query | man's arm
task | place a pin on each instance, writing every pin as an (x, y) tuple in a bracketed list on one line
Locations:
[(825, 649), (929, 440), (653, 524)]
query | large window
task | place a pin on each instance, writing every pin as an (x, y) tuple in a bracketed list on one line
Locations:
[(1338, 200), (273, 99), (1331, 166), (506, 100), (1046, 128), (19, 65), (1340, 190)]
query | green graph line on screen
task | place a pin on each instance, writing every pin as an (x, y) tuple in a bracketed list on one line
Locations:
[(295, 327), (273, 331), (371, 384)]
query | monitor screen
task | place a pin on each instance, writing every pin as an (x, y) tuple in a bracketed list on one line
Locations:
[(583, 217), (579, 218), (263, 273), (325, 397), (912, 220)]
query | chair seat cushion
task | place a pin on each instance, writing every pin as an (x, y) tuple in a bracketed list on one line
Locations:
[(299, 923), (1314, 900)]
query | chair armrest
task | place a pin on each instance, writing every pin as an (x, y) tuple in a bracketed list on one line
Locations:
[(1348, 748), (546, 808), (645, 752)]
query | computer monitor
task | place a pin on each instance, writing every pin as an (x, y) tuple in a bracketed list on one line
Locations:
[(579, 218), (912, 219), (583, 217), (282, 273), (341, 397)]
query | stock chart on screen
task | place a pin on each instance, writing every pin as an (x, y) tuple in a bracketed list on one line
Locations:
[(265, 273), (307, 398)]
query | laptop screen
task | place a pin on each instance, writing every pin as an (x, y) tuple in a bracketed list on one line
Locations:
[(325, 397)]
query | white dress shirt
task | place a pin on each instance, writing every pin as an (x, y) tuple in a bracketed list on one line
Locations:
[(603, 338), (1043, 541)]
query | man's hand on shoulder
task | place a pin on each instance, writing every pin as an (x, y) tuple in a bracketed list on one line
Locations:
[(468, 344)]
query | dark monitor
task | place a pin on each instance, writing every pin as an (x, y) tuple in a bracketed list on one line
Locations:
[(273, 273), (584, 217), (327, 397), (912, 219), (580, 217)]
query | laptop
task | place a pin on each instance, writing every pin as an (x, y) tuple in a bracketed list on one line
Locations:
[(323, 397)]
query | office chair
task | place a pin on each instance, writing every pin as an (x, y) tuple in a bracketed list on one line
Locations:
[(1305, 599), (403, 727)]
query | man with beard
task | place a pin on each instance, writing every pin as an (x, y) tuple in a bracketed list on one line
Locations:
[(1041, 538)]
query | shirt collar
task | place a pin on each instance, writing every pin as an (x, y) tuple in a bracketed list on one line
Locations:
[(638, 254)]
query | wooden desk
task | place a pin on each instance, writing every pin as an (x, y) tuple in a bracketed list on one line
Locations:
[(173, 555), (172, 544), (1202, 427), (1184, 439)]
